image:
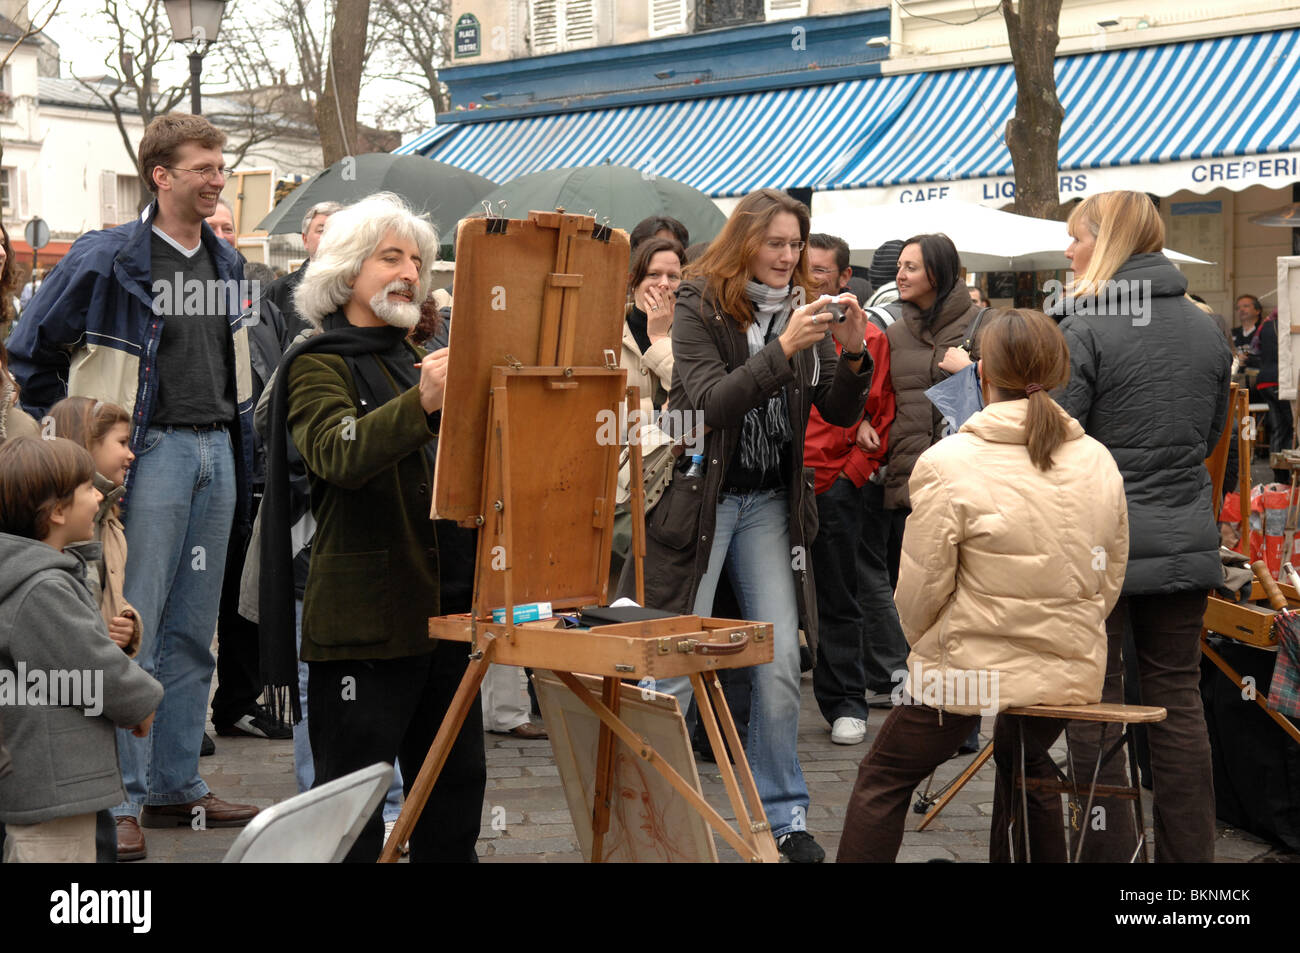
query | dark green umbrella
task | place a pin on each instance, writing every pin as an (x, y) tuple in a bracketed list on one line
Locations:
[(619, 193), (440, 190)]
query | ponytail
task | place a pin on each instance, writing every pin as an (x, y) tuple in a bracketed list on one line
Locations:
[(1024, 351), (1044, 428)]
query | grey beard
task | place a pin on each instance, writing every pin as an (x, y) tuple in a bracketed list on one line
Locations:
[(404, 316)]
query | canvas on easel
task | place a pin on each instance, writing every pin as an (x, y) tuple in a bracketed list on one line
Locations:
[(648, 822), (515, 281)]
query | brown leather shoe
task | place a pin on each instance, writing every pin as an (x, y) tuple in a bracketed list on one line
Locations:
[(210, 809), (529, 732), (130, 840)]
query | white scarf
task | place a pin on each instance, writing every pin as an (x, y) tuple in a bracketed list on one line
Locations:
[(772, 310)]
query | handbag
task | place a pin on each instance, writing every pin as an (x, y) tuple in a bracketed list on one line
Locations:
[(968, 345), (656, 467)]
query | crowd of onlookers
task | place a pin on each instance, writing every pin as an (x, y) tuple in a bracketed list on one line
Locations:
[(908, 483)]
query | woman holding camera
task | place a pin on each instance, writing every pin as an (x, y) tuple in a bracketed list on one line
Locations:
[(751, 359)]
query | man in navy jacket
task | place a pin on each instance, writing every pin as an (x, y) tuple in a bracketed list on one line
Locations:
[(147, 316)]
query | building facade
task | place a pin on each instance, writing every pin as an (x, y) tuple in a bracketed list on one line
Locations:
[(854, 105)]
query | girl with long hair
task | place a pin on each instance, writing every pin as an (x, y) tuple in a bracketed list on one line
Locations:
[(105, 430), (1001, 593), (751, 359), (1149, 379)]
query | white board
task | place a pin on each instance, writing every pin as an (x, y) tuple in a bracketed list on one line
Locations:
[(1288, 318)]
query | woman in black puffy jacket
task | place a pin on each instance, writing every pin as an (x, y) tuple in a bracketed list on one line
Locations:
[(1149, 375)]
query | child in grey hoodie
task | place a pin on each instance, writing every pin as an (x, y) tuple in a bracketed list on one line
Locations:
[(64, 684)]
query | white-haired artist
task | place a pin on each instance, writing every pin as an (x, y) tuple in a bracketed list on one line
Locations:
[(362, 407)]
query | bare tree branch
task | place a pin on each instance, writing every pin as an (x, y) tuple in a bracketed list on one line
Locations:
[(140, 35), (35, 24), (415, 37)]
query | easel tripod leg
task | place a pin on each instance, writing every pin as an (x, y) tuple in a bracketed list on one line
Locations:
[(1283, 721), (765, 844), (953, 787), (466, 695), (758, 834), (609, 696)]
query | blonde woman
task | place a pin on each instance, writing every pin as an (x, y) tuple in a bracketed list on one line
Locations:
[(1149, 377)]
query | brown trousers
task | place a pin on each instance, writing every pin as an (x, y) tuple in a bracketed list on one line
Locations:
[(912, 743), (1166, 630)]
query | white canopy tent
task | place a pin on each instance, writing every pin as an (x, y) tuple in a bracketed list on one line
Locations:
[(986, 239)]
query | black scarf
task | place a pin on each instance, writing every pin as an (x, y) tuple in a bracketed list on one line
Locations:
[(638, 323), (364, 350)]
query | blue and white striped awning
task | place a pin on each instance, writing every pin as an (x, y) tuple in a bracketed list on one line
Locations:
[(1185, 103)]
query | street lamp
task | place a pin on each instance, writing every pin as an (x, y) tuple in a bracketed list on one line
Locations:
[(197, 22)]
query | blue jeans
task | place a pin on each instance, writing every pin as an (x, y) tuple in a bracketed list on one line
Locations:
[(178, 523), (304, 770), (752, 540)]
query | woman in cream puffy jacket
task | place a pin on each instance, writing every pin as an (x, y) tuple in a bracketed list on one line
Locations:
[(1013, 557)]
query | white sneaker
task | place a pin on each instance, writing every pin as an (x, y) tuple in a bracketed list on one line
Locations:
[(848, 731), (388, 830)]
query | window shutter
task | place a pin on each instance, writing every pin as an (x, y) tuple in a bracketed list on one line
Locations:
[(579, 23), (544, 25), (667, 16), (22, 193), (784, 9), (518, 17), (108, 199), (128, 196)]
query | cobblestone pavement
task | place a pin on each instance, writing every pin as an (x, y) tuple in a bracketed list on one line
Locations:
[(523, 780)]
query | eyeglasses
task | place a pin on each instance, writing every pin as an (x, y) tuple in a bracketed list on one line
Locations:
[(208, 173), (775, 244)]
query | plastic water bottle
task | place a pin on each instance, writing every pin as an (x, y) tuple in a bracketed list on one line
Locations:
[(696, 468)]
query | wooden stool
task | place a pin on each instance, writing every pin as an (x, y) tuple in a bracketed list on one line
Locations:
[(1064, 783)]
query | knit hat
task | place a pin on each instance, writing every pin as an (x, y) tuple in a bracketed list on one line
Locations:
[(884, 264)]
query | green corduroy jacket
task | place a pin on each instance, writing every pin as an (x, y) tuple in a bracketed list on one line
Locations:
[(374, 566)]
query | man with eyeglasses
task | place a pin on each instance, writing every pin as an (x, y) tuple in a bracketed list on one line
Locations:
[(147, 316)]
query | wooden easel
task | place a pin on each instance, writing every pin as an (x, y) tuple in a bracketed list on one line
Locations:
[(546, 518), (1243, 621)]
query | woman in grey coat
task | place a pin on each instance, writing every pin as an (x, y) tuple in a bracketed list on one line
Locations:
[(1149, 375)]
